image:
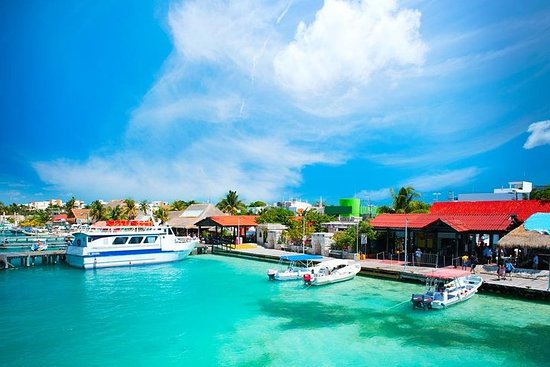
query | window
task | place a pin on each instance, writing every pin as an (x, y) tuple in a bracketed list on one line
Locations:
[(120, 240), (135, 240), (150, 239)]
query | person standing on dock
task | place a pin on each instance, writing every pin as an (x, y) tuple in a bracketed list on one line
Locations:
[(464, 261), (418, 256), (536, 262)]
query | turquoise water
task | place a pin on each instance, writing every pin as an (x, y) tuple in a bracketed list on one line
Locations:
[(213, 311)]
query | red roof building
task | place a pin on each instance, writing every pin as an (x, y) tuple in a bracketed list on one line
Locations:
[(237, 223), (523, 209), (455, 228)]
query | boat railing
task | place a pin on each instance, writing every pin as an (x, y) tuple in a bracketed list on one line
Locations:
[(122, 229)]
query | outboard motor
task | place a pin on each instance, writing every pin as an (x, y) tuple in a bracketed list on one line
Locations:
[(421, 301), (271, 274), (307, 279)]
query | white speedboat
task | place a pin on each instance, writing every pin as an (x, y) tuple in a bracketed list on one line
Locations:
[(443, 290), (333, 271), (122, 243), (293, 267)]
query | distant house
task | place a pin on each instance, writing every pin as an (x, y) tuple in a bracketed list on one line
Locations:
[(79, 216), (60, 218), (183, 222)]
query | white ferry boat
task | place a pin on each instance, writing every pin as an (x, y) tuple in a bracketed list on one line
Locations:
[(123, 243)]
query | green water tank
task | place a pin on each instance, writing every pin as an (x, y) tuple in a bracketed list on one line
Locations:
[(355, 205)]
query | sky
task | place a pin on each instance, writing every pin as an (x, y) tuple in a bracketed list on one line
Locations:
[(307, 99)]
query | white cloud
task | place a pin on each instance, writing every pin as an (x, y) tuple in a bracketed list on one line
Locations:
[(427, 183), (443, 179), (345, 46), (256, 169), (540, 134)]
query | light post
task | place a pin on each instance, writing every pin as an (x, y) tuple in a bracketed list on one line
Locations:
[(303, 232), (405, 263), (238, 230), (357, 239)]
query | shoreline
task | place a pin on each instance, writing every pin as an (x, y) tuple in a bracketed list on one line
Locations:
[(528, 285)]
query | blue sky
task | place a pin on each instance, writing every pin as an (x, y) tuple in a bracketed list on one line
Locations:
[(164, 100)]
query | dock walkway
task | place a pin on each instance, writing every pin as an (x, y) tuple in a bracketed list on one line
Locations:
[(524, 283), (28, 258)]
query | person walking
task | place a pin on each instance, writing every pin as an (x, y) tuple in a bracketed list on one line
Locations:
[(508, 268)]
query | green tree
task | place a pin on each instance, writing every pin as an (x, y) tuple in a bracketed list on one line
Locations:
[(404, 202), (115, 213), (231, 204), (275, 215), (344, 240), (257, 204), (161, 214), (178, 205), (130, 208), (144, 206), (69, 205), (541, 194), (97, 211)]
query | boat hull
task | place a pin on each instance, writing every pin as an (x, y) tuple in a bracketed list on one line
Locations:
[(347, 271), (127, 257)]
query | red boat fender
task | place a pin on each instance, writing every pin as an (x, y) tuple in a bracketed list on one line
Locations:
[(307, 277)]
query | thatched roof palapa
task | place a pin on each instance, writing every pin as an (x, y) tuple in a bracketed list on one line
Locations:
[(519, 237)]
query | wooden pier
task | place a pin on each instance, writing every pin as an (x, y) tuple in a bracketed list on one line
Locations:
[(29, 258)]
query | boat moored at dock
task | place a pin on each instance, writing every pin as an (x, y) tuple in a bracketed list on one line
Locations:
[(295, 266), (123, 243), (444, 290), (333, 271)]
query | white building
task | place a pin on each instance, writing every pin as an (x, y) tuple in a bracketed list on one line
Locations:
[(515, 191)]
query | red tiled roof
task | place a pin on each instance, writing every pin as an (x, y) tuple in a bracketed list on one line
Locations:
[(59, 218), (459, 222), (230, 220), (522, 208), (414, 221)]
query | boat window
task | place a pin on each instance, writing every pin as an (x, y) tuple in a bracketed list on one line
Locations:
[(120, 240), (136, 239), (150, 239)]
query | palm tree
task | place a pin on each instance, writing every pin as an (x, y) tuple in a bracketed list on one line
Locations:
[(178, 205), (97, 210), (69, 205), (144, 206), (161, 214), (403, 198), (116, 213), (130, 208), (231, 203)]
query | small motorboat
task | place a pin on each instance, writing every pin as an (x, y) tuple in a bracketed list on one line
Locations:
[(333, 271), (293, 267), (443, 290)]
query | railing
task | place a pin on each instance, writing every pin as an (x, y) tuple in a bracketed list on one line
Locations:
[(383, 255)]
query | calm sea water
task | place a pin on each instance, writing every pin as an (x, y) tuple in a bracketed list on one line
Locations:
[(219, 311)]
